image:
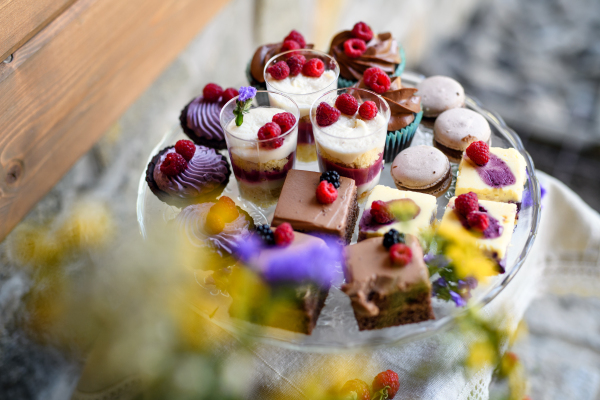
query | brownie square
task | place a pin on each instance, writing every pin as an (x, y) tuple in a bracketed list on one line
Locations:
[(382, 294), (298, 205)]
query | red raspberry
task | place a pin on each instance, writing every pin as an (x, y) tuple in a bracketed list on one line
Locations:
[(173, 165), (360, 388), (354, 48), (362, 31), (290, 45), (186, 148), (326, 193), (296, 37), (279, 70), (212, 92), (229, 94), (371, 71), (381, 212), (478, 221), (368, 110), (387, 380), (284, 235), (479, 152), (270, 130), (347, 104), (400, 254), (327, 115), (296, 62), (226, 209), (466, 204), (285, 120), (378, 81), (313, 67), (214, 223)]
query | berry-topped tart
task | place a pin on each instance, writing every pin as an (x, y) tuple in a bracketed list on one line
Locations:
[(405, 109), (492, 173), (322, 204), (303, 75), (283, 279), (261, 140), (490, 223), (255, 70), (401, 210), (350, 128), (212, 231), (187, 173), (359, 49), (387, 281), (199, 119)]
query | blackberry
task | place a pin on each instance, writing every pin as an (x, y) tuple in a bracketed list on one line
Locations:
[(392, 237), (266, 234), (332, 177)]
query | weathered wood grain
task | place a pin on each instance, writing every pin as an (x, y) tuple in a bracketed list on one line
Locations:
[(70, 82), (20, 20)]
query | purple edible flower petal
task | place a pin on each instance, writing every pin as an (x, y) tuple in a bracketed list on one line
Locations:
[(246, 93), (457, 299)]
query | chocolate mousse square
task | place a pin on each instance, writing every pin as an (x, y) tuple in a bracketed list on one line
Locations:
[(383, 294), (298, 205)]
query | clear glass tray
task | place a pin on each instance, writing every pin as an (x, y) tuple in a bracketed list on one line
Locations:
[(336, 329)]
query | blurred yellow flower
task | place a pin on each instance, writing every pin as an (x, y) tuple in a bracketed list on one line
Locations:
[(89, 225), (481, 354)]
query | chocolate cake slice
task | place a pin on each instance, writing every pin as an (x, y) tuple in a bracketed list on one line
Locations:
[(384, 294), (298, 205)]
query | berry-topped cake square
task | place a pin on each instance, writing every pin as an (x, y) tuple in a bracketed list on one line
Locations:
[(404, 211), (318, 203), (490, 223), (492, 173)]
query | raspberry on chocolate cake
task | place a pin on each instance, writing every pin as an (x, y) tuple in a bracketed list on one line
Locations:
[(310, 205), (187, 173), (388, 285)]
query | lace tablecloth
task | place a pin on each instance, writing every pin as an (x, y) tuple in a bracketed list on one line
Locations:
[(565, 259)]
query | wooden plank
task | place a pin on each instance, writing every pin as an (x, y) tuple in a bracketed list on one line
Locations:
[(20, 20), (74, 79)]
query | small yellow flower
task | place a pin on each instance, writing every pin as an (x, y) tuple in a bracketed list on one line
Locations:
[(481, 354), (88, 226)]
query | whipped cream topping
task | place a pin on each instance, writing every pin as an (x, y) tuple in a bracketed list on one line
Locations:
[(203, 119), (303, 89), (206, 171), (244, 139), (192, 223), (350, 137)]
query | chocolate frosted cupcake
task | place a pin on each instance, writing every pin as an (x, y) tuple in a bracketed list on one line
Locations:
[(405, 109), (359, 49), (256, 67), (186, 173), (214, 230), (200, 118)]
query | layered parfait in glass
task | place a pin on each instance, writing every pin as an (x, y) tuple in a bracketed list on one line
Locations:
[(350, 128), (303, 75), (261, 137)]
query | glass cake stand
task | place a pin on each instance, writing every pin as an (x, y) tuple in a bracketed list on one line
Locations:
[(337, 329)]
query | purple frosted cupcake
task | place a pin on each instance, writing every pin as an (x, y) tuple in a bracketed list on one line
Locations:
[(200, 118), (186, 173)]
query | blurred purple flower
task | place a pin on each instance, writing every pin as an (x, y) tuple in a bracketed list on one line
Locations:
[(246, 93), (457, 299), (468, 284), (248, 248), (436, 260)]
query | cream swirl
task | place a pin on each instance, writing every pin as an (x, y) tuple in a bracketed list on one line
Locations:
[(205, 172), (203, 119), (192, 222)]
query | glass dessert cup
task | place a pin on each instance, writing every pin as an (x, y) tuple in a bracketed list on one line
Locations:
[(355, 151), (304, 91), (260, 166)]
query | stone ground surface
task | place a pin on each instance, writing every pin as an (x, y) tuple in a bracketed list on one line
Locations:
[(562, 360)]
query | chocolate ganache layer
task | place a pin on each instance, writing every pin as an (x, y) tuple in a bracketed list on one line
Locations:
[(382, 52), (206, 172), (200, 122), (262, 55), (402, 101), (192, 223)]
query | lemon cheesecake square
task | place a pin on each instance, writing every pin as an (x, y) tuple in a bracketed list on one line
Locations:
[(421, 220), (501, 179)]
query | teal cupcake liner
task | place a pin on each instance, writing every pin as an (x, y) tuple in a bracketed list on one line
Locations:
[(344, 83), (399, 140)]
